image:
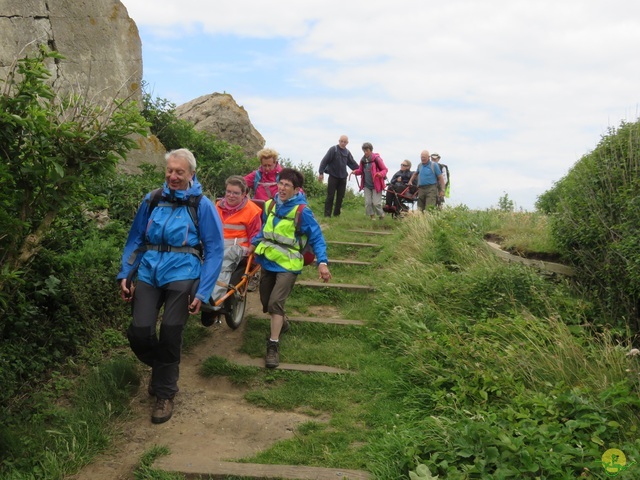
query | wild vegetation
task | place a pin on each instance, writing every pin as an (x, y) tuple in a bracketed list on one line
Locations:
[(468, 367), (595, 215)]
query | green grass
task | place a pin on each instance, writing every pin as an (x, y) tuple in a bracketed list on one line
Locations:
[(526, 233), (65, 435)]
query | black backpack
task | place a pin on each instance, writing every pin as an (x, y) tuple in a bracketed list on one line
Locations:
[(192, 202)]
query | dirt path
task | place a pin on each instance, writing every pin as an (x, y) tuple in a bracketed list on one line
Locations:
[(210, 419)]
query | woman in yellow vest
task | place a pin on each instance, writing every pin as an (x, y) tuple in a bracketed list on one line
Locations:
[(278, 249)]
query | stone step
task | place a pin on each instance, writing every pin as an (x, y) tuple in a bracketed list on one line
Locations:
[(342, 286), (353, 244), (201, 466)]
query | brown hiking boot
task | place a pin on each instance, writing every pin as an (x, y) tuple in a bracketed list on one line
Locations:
[(272, 360), (162, 410)]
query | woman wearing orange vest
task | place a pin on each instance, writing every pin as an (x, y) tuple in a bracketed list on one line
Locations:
[(241, 221)]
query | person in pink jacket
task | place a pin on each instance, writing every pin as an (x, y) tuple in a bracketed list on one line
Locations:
[(373, 172), (264, 181)]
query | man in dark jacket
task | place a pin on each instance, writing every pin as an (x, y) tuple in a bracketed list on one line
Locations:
[(335, 163)]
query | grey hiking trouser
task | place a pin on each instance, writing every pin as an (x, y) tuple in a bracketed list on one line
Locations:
[(233, 255), (160, 351)]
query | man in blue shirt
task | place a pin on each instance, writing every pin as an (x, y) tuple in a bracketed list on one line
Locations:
[(430, 182)]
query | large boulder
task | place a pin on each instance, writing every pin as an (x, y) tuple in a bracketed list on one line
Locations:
[(219, 114), (98, 38), (102, 49)]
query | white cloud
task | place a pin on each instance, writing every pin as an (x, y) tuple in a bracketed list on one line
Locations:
[(521, 87)]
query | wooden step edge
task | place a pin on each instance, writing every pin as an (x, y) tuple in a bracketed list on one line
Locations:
[(201, 466), (353, 244), (348, 262), (330, 321), (248, 361), (343, 286), (541, 264), (371, 232)]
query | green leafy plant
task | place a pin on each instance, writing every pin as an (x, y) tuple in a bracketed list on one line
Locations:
[(422, 472)]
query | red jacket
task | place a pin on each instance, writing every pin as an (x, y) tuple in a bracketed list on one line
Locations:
[(267, 185)]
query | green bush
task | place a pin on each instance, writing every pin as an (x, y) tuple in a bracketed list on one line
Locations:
[(595, 213)]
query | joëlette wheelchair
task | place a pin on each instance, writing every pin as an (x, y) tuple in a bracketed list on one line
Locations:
[(397, 200), (232, 305)]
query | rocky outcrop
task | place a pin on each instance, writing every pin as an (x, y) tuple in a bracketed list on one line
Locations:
[(100, 42), (219, 114)]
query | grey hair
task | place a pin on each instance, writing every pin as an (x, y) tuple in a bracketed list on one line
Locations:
[(185, 155)]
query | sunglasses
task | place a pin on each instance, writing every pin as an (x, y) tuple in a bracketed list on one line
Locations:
[(404, 165)]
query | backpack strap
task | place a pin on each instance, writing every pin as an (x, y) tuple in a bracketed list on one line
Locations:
[(256, 182), (433, 170), (192, 204), (154, 199)]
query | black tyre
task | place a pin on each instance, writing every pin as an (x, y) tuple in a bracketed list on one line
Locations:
[(235, 306)]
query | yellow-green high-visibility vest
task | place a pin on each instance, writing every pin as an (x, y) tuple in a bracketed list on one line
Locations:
[(279, 243)]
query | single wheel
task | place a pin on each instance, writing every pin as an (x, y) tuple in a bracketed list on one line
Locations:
[(235, 306)]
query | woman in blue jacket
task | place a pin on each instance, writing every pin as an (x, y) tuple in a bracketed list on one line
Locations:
[(176, 245)]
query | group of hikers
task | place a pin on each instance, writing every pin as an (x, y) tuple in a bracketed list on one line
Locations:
[(180, 242), (428, 185), (183, 248)]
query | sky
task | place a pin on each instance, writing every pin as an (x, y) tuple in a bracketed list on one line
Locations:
[(510, 93)]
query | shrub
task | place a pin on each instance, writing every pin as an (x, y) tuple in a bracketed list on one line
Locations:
[(595, 213)]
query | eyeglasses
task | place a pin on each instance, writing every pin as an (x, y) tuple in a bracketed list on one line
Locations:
[(404, 165), (285, 185), (233, 194)]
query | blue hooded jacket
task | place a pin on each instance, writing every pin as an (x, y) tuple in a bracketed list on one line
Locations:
[(308, 226), (170, 223)]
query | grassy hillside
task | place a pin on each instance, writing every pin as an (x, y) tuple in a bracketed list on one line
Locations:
[(467, 365)]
